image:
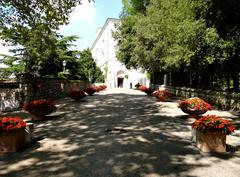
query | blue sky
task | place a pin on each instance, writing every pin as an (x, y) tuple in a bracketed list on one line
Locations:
[(86, 18)]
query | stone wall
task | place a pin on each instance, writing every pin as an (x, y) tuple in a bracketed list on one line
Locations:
[(223, 100), (14, 94), (54, 89)]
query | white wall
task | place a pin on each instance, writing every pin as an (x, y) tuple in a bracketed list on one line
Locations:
[(104, 53)]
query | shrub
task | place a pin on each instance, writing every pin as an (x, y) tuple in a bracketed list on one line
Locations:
[(40, 107), (77, 94), (9, 124), (213, 123)]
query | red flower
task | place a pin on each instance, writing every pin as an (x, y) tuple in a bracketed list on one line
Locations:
[(162, 95), (77, 94), (40, 107), (213, 123), (194, 106), (11, 124)]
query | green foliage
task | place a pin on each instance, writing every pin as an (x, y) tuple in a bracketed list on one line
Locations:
[(30, 12), (132, 7), (125, 34), (125, 37), (169, 36), (88, 67), (181, 36), (31, 26)]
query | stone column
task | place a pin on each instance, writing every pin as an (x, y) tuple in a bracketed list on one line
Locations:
[(26, 84), (165, 80)]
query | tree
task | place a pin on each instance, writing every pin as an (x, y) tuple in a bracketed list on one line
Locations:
[(173, 36), (89, 68), (224, 17), (31, 26), (125, 33)]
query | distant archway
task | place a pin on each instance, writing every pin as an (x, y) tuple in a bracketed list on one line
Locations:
[(120, 78)]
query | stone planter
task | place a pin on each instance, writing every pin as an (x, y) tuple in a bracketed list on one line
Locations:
[(12, 141), (211, 141), (29, 132), (38, 118), (193, 113)]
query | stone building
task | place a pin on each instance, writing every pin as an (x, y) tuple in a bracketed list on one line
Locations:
[(104, 53)]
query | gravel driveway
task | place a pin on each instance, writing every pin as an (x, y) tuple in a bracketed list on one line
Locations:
[(117, 133)]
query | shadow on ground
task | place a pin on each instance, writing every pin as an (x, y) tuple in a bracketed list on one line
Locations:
[(77, 144)]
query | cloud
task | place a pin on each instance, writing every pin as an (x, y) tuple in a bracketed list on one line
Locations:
[(86, 13)]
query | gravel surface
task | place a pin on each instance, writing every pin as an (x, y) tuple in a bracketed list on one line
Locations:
[(118, 133)]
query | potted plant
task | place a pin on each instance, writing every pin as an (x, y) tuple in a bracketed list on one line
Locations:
[(97, 88), (90, 90), (77, 94), (194, 106), (40, 108), (12, 134), (162, 95), (103, 87), (211, 132), (145, 89)]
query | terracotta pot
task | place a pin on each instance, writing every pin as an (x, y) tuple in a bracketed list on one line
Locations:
[(211, 141), (12, 141), (193, 113)]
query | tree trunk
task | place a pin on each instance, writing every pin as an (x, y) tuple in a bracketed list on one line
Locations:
[(235, 79)]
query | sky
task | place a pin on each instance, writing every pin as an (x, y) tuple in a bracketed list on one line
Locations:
[(84, 21), (86, 18)]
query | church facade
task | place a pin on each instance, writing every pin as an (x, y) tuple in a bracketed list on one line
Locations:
[(104, 53)]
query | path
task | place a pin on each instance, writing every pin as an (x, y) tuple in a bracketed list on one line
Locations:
[(156, 142)]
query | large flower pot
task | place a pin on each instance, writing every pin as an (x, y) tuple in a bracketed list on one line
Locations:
[(11, 141), (193, 113), (29, 130), (211, 141)]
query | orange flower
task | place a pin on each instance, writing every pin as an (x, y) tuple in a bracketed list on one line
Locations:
[(213, 123), (11, 124)]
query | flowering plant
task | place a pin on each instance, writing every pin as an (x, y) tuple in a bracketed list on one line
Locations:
[(99, 88), (103, 87), (212, 123), (162, 95), (40, 107), (145, 89), (77, 94), (9, 124), (194, 106), (90, 90)]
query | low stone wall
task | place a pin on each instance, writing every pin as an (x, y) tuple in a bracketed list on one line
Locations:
[(13, 94), (223, 100), (10, 96), (55, 89)]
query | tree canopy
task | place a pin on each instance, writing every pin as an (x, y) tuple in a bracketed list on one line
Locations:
[(193, 38), (31, 26)]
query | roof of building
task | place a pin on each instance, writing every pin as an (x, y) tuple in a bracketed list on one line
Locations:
[(116, 20)]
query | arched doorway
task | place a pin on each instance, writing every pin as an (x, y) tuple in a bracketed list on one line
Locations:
[(120, 79)]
